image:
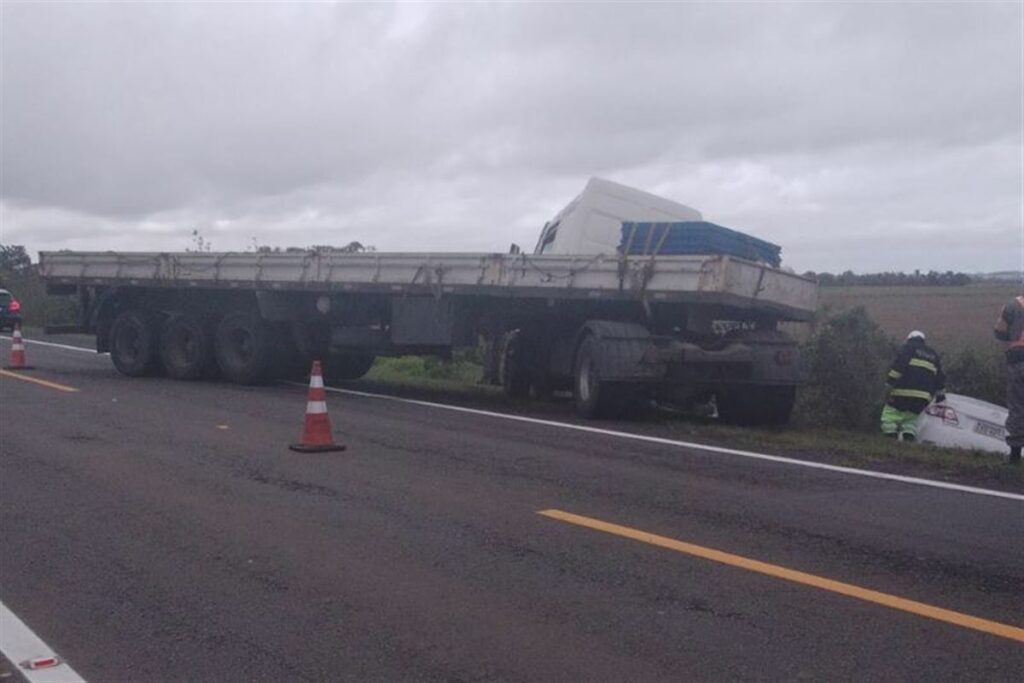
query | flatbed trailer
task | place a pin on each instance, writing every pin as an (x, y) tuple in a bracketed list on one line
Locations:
[(616, 330)]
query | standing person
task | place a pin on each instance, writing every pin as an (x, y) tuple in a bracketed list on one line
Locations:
[(1010, 328), (914, 379)]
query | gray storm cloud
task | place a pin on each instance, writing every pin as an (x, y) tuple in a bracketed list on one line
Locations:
[(869, 136)]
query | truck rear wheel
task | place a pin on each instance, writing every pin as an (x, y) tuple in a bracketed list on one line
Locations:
[(339, 367), (244, 348), (134, 343), (186, 347), (596, 397), (756, 406)]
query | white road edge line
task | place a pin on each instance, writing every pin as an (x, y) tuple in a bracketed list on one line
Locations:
[(933, 483), (690, 445), (19, 643), (59, 346)]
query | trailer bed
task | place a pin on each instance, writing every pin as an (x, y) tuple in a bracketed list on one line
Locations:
[(721, 280)]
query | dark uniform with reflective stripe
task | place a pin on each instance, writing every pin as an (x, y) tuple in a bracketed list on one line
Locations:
[(915, 378), (1010, 328)]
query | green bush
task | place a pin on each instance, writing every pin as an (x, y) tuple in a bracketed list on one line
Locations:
[(846, 359), (980, 373)]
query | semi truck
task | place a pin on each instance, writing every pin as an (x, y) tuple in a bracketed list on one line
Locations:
[(601, 308)]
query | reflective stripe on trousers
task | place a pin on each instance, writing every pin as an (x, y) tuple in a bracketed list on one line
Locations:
[(895, 421)]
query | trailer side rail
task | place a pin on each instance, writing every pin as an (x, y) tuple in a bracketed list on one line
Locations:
[(710, 279)]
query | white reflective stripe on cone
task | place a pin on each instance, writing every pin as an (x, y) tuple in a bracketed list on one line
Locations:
[(316, 382), (316, 407)]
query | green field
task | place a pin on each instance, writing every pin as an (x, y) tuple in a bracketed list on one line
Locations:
[(951, 317)]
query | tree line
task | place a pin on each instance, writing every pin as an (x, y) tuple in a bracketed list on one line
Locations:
[(932, 278)]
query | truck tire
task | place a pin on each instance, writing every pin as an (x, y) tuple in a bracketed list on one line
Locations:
[(186, 347), (340, 367), (756, 406), (244, 348), (134, 343), (596, 397)]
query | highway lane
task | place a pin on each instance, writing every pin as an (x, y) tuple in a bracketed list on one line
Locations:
[(155, 530)]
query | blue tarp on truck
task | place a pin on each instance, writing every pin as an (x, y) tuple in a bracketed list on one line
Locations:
[(695, 237)]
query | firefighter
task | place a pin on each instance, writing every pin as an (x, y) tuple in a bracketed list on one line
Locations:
[(914, 380), (1010, 328)]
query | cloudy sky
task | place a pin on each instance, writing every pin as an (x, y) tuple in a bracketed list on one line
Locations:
[(868, 136)]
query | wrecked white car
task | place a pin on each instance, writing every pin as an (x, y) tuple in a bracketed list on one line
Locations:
[(964, 422)]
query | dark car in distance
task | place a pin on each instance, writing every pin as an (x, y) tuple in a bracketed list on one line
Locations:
[(10, 310)]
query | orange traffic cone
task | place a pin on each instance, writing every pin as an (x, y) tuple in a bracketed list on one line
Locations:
[(316, 434), (18, 351)]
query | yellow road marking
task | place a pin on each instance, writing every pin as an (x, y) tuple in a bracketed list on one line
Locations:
[(40, 382), (921, 609)]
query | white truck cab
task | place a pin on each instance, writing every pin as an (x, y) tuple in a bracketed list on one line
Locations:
[(592, 222)]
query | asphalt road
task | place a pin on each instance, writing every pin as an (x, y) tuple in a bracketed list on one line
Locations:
[(153, 530)]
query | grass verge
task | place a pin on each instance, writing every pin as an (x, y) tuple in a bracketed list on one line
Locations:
[(414, 378)]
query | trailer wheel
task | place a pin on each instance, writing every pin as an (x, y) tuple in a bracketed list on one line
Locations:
[(756, 406), (244, 348), (340, 367), (134, 343), (186, 347)]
